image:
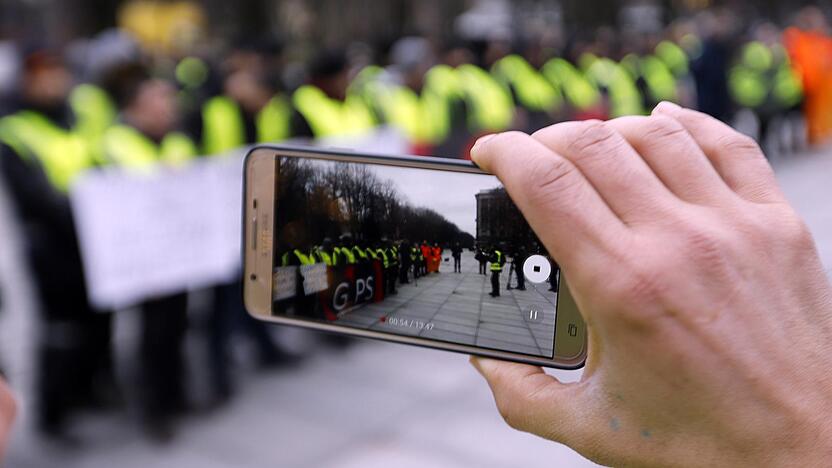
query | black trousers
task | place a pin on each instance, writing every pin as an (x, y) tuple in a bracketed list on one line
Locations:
[(390, 278), (521, 278), (457, 265), (164, 322), (482, 267), (495, 283)]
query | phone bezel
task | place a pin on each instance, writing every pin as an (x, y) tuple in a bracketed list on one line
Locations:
[(566, 310)]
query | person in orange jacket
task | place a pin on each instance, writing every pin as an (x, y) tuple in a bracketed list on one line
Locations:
[(810, 48), (426, 254), (436, 252)]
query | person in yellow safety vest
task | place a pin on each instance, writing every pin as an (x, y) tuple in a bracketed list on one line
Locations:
[(41, 155), (344, 253), (674, 57), (622, 93), (393, 256), (297, 257), (532, 92), (764, 81), (490, 106), (326, 253), (497, 261), (149, 117), (94, 113), (659, 83), (146, 134), (323, 107), (580, 92), (249, 111)]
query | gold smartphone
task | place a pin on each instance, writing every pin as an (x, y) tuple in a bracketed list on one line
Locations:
[(423, 251)]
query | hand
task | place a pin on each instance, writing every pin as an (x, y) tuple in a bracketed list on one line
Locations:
[(708, 311), (7, 414)]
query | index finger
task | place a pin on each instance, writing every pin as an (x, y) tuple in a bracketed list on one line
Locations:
[(561, 206)]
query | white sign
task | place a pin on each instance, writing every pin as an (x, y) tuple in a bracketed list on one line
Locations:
[(144, 235), (314, 278), (285, 282)]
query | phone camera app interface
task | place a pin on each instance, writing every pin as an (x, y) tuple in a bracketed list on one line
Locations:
[(440, 255)]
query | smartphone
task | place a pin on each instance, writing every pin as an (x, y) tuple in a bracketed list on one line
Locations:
[(417, 250)]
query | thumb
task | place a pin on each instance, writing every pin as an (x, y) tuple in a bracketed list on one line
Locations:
[(532, 401), (559, 203)]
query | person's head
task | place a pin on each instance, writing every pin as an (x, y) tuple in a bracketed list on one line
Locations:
[(413, 57), (147, 103), (346, 240), (326, 244), (329, 71), (812, 18), (46, 80)]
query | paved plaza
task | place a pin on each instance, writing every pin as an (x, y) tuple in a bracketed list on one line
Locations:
[(372, 405), (457, 307)]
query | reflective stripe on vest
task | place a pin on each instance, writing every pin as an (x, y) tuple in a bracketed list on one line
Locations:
[(62, 154), (533, 91), (498, 265)]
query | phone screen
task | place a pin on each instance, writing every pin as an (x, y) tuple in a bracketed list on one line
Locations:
[(441, 255)]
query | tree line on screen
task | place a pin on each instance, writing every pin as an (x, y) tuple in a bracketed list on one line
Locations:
[(334, 199)]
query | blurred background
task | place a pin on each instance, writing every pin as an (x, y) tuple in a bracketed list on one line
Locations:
[(181, 376)]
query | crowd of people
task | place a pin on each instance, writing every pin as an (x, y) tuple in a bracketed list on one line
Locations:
[(136, 112)]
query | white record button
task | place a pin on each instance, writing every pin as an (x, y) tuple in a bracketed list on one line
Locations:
[(537, 268)]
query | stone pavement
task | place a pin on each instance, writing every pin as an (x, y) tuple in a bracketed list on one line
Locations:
[(371, 405), (457, 307)]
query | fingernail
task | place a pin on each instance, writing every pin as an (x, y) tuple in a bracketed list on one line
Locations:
[(666, 107), (481, 141)]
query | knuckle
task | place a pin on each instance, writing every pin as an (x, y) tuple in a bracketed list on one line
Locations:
[(591, 135), (795, 232), (551, 177), (738, 144), (660, 130)]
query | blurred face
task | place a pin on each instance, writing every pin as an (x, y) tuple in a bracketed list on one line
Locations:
[(48, 85), (154, 110), (247, 89)]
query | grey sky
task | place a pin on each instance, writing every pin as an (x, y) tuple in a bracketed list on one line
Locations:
[(449, 193)]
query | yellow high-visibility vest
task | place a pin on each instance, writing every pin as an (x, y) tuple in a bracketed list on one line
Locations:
[(533, 91), (62, 154), (623, 93), (222, 126), (498, 264), (94, 113), (127, 147), (581, 93), (673, 56), (329, 117), (491, 108)]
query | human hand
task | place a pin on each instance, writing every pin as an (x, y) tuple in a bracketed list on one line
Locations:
[(708, 311), (8, 410)]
